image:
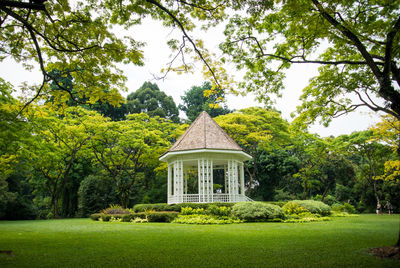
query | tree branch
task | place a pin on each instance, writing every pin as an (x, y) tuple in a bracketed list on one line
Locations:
[(180, 25)]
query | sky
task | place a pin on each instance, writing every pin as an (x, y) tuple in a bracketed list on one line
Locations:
[(157, 55)]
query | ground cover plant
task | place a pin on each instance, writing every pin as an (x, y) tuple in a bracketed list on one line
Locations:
[(341, 242)]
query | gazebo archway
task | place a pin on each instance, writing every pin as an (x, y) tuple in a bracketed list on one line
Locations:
[(203, 149)]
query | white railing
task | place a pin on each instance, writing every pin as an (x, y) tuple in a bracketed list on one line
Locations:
[(196, 198)]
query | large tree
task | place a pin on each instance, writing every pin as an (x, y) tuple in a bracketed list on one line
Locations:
[(125, 149), (151, 100), (195, 101), (356, 44), (59, 139), (75, 39), (255, 130)]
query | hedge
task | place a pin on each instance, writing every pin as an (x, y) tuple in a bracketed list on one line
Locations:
[(316, 207), (257, 211), (176, 207), (161, 216)]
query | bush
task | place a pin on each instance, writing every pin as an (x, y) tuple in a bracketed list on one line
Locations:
[(204, 219), (257, 211), (162, 216), (176, 207), (156, 207), (291, 208), (346, 207), (116, 209), (278, 203), (329, 199), (95, 193), (315, 207), (191, 211), (218, 211), (95, 216)]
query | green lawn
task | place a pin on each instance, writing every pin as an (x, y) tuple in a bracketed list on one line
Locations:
[(342, 242)]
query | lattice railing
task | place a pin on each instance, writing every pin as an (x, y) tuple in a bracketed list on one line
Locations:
[(196, 198)]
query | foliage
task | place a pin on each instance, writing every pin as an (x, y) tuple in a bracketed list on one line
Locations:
[(205, 219), (270, 38), (274, 169), (162, 216), (345, 207), (256, 130), (178, 207), (191, 211), (75, 41), (307, 219), (218, 211), (293, 208), (151, 100), (256, 211), (59, 141), (329, 199), (156, 207), (95, 193), (195, 101), (123, 149), (316, 207), (115, 209)]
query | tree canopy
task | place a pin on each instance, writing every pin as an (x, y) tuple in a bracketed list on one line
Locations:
[(356, 44), (195, 101), (151, 100)]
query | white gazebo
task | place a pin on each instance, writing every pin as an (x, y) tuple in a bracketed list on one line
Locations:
[(205, 165)]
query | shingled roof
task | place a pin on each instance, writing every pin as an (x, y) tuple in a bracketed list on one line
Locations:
[(204, 133)]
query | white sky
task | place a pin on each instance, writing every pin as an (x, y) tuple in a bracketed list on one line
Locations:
[(157, 56)]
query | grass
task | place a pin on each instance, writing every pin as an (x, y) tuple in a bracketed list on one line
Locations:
[(342, 242)]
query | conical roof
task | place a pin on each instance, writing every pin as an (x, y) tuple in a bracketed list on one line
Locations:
[(204, 133)]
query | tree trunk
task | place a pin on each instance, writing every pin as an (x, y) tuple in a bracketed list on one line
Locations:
[(55, 206), (325, 192)]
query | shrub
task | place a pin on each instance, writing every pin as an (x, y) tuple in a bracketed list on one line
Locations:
[(204, 219), (176, 207), (256, 211), (162, 216), (315, 207), (115, 209), (95, 216), (346, 207), (156, 207), (191, 211), (218, 211), (293, 208), (95, 193), (329, 199), (307, 219)]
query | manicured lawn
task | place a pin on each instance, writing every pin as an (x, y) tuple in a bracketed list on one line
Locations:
[(342, 242)]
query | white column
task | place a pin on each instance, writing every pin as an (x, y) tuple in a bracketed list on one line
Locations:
[(212, 180), (178, 181), (185, 179), (169, 183), (200, 174), (226, 180), (242, 178)]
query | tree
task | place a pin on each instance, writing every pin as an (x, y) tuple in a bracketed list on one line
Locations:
[(255, 129), (59, 140), (15, 134), (274, 170), (151, 100), (356, 43), (77, 41), (123, 149), (195, 101)]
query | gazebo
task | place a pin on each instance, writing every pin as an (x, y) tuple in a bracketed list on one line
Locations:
[(205, 165)]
